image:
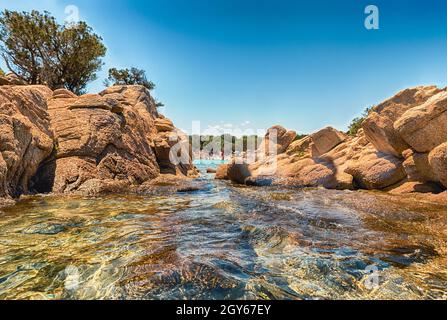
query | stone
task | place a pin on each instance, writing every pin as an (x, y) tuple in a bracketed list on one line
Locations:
[(276, 141), (325, 140), (63, 94), (417, 166), (417, 187), (164, 125), (424, 127), (379, 125), (376, 170), (106, 143), (222, 172), (238, 171), (438, 162), (25, 136), (301, 147)]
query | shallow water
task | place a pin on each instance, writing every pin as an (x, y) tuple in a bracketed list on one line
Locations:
[(224, 242)]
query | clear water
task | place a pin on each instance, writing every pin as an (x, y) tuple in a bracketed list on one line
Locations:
[(224, 242)]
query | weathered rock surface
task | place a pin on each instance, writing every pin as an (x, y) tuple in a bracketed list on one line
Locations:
[(25, 136), (325, 140), (438, 162), (100, 140), (417, 166), (105, 142), (10, 79), (376, 170), (276, 141), (301, 146), (238, 171), (222, 172), (424, 127), (417, 187), (379, 125), (164, 125)]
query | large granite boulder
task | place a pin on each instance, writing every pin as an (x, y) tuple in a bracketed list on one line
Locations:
[(11, 79), (238, 171), (173, 153), (438, 162), (417, 166), (103, 141), (222, 172), (375, 170), (379, 125), (276, 141), (424, 127), (25, 136), (325, 140)]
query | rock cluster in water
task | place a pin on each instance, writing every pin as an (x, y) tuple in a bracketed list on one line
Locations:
[(402, 148), (55, 141)]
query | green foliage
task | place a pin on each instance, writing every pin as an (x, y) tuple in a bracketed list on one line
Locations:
[(2, 73), (40, 51), (356, 124), (133, 76), (300, 136)]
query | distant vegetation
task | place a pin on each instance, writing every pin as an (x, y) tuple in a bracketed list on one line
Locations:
[(248, 143), (356, 124), (38, 50), (131, 76)]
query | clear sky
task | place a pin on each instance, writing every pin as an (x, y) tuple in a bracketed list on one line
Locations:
[(302, 64)]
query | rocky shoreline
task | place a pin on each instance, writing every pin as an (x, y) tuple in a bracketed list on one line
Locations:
[(111, 142), (117, 142), (401, 149)]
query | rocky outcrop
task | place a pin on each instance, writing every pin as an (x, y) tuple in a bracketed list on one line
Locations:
[(173, 152), (104, 138), (238, 171), (25, 136), (438, 163), (417, 166), (379, 125), (417, 187), (376, 170), (11, 79), (222, 172), (58, 142), (276, 141), (424, 127), (325, 140), (301, 146), (402, 148)]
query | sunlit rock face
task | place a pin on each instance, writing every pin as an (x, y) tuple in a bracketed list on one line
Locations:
[(25, 136), (403, 140), (107, 142)]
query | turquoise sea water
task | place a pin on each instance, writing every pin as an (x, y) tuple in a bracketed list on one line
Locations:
[(224, 242)]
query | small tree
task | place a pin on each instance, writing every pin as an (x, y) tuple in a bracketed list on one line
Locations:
[(40, 51), (356, 124), (133, 76)]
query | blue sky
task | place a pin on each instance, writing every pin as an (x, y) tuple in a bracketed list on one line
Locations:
[(244, 63)]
